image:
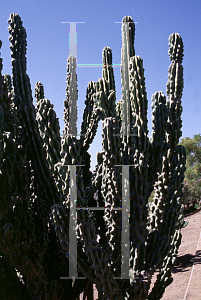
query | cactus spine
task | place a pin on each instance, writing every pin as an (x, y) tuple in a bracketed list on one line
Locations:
[(36, 166)]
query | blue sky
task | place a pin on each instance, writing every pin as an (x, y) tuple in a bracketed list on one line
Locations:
[(48, 49)]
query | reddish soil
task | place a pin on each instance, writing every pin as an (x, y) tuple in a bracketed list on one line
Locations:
[(186, 274)]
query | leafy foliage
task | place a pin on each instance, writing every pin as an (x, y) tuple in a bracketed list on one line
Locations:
[(192, 180)]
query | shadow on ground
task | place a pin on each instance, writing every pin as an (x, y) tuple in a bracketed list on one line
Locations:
[(190, 213), (184, 261)]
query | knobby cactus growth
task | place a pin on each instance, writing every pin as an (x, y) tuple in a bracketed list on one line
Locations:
[(35, 172)]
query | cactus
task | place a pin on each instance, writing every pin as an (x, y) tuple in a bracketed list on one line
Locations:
[(35, 174)]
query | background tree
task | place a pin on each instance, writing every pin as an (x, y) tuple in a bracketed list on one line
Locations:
[(192, 180)]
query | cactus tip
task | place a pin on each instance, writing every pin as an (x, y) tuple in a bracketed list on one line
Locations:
[(176, 47)]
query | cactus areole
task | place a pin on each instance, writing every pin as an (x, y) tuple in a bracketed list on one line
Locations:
[(57, 216)]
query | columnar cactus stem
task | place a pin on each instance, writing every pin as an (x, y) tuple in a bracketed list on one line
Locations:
[(169, 239), (39, 91), (111, 185), (138, 199), (26, 112), (43, 190), (139, 103), (70, 111), (7, 144), (107, 72), (174, 90), (49, 128), (128, 32)]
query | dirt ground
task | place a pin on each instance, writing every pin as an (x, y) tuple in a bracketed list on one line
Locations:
[(186, 274)]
